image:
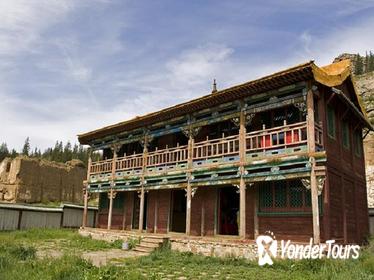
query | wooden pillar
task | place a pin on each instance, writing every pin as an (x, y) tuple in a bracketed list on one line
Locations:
[(110, 196), (255, 210), (141, 211), (156, 212), (112, 184), (202, 230), (242, 152), (189, 191), (310, 121), (85, 190), (311, 150), (85, 209)]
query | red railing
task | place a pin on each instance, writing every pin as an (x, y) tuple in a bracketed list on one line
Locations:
[(277, 137)]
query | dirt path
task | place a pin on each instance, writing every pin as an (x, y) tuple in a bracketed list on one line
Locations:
[(97, 258)]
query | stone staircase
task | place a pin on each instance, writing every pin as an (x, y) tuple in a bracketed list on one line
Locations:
[(150, 243)]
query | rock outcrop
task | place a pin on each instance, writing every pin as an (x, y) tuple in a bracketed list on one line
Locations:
[(33, 180), (365, 86)]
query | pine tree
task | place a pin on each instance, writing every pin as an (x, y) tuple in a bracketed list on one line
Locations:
[(67, 153), (4, 152), (13, 153), (26, 147), (371, 62), (359, 69)]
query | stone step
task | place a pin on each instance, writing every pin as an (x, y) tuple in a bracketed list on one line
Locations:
[(153, 240), (140, 248), (150, 244)]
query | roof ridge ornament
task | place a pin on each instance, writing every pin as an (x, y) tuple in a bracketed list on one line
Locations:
[(214, 90)]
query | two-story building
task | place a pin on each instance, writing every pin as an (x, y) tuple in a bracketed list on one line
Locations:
[(282, 153)]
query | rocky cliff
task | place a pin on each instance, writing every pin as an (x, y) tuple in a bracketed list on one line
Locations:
[(33, 180), (365, 85)]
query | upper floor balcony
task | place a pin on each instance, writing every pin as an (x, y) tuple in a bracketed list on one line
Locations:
[(209, 154)]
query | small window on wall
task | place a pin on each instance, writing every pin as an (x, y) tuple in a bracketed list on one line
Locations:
[(284, 196), (345, 134), (358, 143), (331, 127)]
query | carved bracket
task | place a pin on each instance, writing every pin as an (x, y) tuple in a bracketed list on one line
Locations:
[(236, 121), (301, 106), (146, 138), (193, 191), (112, 195), (248, 119), (116, 148), (191, 131), (320, 183)]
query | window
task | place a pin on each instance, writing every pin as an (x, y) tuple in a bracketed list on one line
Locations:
[(103, 201), (119, 200), (358, 143), (284, 196), (345, 134), (331, 129)]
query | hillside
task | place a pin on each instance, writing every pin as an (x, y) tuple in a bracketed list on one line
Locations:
[(365, 85)]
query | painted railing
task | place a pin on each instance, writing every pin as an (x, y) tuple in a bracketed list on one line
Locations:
[(319, 135), (167, 156), (134, 161), (224, 146), (286, 136), (276, 138), (102, 166)]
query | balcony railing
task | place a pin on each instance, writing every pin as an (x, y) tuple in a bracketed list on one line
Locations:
[(175, 155), (225, 146), (257, 143), (276, 138)]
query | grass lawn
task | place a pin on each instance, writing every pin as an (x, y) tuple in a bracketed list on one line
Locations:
[(18, 260)]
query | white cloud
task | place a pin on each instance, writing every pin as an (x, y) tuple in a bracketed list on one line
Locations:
[(356, 38), (23, 21), (88, 78)]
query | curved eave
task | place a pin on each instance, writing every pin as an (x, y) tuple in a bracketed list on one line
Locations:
[(336, 74)]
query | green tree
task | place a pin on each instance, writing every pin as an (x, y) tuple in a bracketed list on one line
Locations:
[(13, 153), (26, 147), (359, 65), (4, 152), (371, 62)]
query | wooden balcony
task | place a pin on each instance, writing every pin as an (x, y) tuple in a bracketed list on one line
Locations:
[(261, 144)]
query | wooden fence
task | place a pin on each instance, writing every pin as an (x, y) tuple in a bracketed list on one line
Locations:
[(20, 216)]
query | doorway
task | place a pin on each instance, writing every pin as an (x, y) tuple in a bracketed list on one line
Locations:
[(178, 211), (228, 211), (136, 211)]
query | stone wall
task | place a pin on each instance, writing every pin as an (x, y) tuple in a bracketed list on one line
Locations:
[(32, 180), (203, 246), (219, 249)]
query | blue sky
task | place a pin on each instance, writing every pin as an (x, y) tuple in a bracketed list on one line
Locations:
[(67, 67)]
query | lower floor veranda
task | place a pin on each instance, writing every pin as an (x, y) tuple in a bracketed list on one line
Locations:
[(282, 207)]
